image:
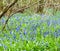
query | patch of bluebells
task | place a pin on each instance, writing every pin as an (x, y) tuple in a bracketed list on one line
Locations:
[(32, 23), (29, 31), (46, 33), (57, 33), (49, 22)]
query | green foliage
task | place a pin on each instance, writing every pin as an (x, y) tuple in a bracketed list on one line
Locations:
[(26, 32)]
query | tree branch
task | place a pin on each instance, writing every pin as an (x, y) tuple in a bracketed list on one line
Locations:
[(7, 8), (20, 10)]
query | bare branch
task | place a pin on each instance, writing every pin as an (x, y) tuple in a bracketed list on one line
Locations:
[(20, 10), (7, 8)]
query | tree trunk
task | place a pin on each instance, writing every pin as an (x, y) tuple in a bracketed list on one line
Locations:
[(40, 6)]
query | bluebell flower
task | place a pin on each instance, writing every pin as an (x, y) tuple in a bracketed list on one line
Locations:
[(14, 36), (8, 38), (18, 28), (54, 22), (3, 21), (46, 33), (17, 18), (58, 30), (11, 32), (20, 23), (48, 23), (33, 38), (25, 32), (5, 35), (21, 36), (34, 32), (59, 35), (56, 34), (58, 21)]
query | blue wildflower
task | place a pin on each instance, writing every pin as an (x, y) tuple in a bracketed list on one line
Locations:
[(21, 35), (5, 35), (25, 32), (14, 36), (3, 21), (58, 31), (11, 32), (46, 33), (33, 38), (18, 28), (48, 23), (20, 23), (54, 22), (56, 34)]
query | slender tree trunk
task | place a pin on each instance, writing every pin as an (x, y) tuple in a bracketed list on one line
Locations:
[(40, 6)]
